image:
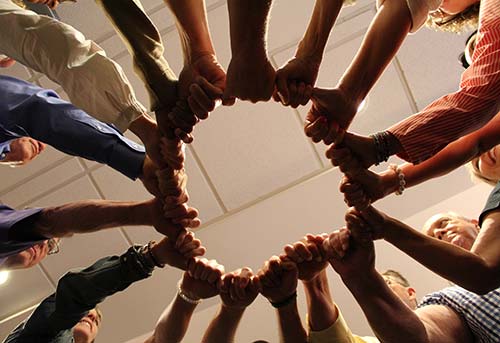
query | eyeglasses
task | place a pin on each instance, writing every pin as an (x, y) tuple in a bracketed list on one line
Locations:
[(53, 244), (440, 17), (465, 58)]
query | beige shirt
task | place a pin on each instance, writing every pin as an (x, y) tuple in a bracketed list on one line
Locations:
[(93, 82)]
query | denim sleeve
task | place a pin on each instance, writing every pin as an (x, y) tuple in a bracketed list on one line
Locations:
[(42, 115), (80, 291)]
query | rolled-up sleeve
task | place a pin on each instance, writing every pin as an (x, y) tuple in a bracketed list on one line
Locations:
[(92, 81), (28, 110)]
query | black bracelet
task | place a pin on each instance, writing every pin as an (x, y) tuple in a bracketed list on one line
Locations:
[(286, 301), (381, 142), (153, 258)]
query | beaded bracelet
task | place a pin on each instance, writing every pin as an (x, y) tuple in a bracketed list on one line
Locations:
[(286, 301), (184, 297), (401, 178)]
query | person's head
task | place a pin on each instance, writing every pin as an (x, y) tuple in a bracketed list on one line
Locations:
[(85, 331), (455, 16), (20, 151), (452, 228), (33, 255), (401, 287), (486, 167)]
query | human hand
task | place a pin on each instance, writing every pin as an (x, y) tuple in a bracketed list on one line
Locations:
[(249, 78), (367, 225), (338, 110), (307, 256), (163, 225), (295, 81), (238, 289), (6, 61), (177, 252), (277, 280), (23, 150), (353, 153), (201, 85), (348, 257), (202, 278), (149, 178), (172, 152)]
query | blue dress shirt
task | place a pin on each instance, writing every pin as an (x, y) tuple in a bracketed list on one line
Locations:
[(31, 111)]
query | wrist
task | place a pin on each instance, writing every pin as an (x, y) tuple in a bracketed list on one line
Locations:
[(186, 294), (359, 278), (390, 181), (232, 310), (285, 301)]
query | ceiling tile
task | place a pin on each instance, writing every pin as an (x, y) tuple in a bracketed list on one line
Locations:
[(115, 186), (430, 63), (113, 46), (24, 288), (38, 185), (13, 176), (245, 147)]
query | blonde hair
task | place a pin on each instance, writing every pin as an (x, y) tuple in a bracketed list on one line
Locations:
[(396, 276), (475, 173), (462, 22)]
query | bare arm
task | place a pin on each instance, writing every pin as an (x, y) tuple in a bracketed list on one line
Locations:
[(477, 270), (91, 215), (322, 311), (223, 326), (193, 28), (383, 39)]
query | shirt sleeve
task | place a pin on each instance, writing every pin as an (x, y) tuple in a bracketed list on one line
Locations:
[(80, 291), (42, 115), (472, 106), (92, 81)]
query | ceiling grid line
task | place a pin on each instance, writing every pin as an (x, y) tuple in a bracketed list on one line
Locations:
[(404, 83), (207, 178)]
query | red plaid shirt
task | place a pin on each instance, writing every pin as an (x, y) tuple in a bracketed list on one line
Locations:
[(477, 101)]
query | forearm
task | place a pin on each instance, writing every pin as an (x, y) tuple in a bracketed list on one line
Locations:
[(291, 329), (390, 319), (174, 321), (248, 25), (193, 28), (316, 36), (223, 327), (443, 258), (89, 216), (322, 311), (384, 37)]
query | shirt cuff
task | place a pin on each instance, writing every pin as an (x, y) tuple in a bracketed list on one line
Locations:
[(9, 217), (4, 149), (127, 161)]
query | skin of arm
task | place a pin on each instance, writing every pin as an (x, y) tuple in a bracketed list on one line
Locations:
[(481, 263), (237, 292), (277, 281), (200, 281), (322, 311), (94, 215), (384, 37), (354, 260), (305, 65), (248, 30)]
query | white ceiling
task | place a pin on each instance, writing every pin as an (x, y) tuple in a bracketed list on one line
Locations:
[(257, 181)]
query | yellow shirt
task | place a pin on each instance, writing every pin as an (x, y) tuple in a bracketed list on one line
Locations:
[(339, 332)]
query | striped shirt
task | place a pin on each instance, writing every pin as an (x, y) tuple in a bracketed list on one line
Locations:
[(480, 312), (472, 106)]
